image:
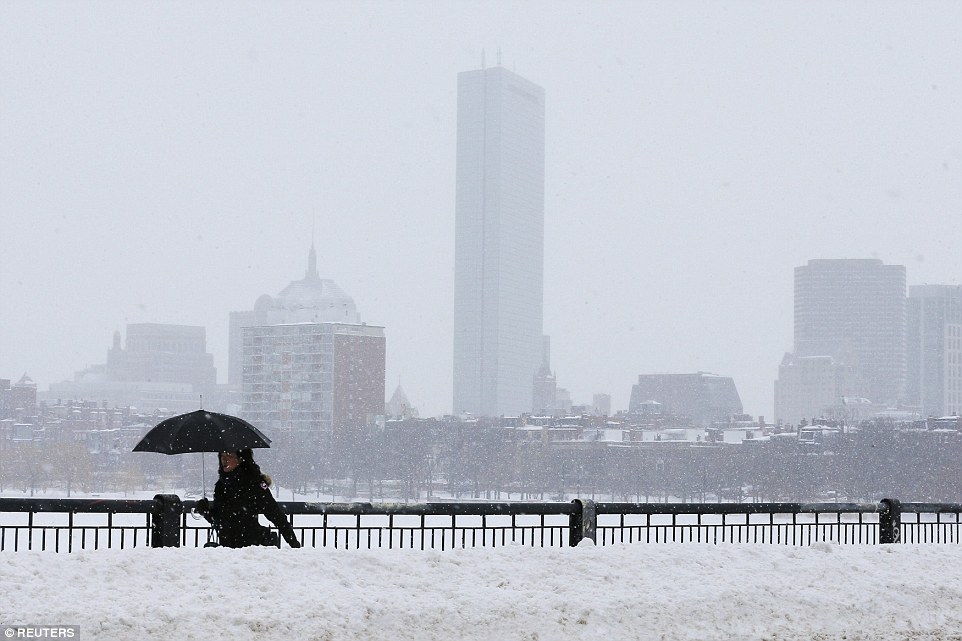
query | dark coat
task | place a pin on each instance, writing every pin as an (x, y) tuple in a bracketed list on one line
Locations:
[(239, 496)]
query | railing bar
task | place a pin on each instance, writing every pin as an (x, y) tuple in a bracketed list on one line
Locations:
[(925, 523)]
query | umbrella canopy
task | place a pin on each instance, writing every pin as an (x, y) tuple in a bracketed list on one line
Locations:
[(202, 431)]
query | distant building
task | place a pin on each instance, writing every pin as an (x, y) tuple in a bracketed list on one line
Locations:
[(23, 395), (310, 367), (310, 300), (809, 387), (499, 242), (313, 378), (161, 367), (934, 349), (601, 405), (161, 354), (849, 318), (399, 406), (854, 311), (544, 387), (704, 398), (6, 399)]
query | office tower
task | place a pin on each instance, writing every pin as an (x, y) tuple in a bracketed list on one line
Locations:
[(934, 349), (850, 334), (704, 398), (499, 242), (854, 311)]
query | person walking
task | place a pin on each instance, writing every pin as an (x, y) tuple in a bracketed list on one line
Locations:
[(241, 493)]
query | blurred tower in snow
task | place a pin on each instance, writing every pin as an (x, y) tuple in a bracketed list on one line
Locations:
[(850, 322), (499, 242), (934, 349), (545, 385)]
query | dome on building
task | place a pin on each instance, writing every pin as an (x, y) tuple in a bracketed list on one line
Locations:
[(312, 300)]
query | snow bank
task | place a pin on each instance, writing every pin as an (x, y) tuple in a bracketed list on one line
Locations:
[(513, 593)]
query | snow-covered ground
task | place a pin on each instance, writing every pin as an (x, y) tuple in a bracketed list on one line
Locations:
[(667, 591)]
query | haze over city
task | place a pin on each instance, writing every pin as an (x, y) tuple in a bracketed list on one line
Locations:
[(170, 163)]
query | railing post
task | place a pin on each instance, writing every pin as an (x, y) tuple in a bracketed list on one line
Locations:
[(165, 521), (890, 521), (583, 522)]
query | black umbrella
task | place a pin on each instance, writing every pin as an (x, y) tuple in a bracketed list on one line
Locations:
[(202, 431)]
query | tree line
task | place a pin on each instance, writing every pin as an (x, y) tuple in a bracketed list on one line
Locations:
[(420, 459)]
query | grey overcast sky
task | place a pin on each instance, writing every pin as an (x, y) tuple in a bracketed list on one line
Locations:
[(162, 161)]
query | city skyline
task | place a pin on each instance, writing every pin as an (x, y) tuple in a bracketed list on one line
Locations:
[(165, 166), (826, 324)]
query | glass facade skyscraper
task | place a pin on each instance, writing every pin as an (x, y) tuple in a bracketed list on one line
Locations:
[(499, 242), (854, 311), (934, 349)]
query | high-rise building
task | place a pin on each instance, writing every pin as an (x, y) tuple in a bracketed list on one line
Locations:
[(312, 379), (704, 398), (309, 366), (499, 242), (853, 311), (310, 300), (934, 349)]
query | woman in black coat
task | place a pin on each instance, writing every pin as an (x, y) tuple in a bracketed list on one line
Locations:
[(241, 493)]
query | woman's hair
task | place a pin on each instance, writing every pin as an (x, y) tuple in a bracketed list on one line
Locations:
[(248, 466)]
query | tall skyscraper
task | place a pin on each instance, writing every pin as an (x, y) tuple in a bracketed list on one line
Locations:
[(499, 242), (934, 349), (852, 311)]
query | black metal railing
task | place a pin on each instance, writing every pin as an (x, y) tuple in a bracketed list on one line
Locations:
[(166, 521), (778, 523), (930, 523), (418, 525), (66, 525)]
